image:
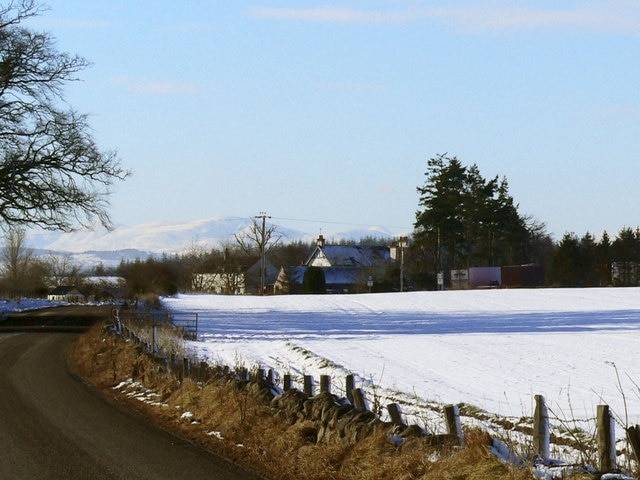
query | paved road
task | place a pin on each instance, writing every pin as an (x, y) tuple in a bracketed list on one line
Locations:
[(53, 427), (74, 318)]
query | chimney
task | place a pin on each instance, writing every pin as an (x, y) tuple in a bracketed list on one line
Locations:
[(320, 241)]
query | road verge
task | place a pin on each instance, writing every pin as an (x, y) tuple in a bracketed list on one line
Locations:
[(236, 419)]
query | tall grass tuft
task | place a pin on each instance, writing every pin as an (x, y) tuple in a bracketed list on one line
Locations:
[(234, 418)]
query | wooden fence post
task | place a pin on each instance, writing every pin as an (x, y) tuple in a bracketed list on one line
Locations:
[(172, 364), (286, 382), (204, 371), (606, 439), (395, 413), (270, 377), (325, 383), (350, 384), (185, 367), (452, 417), (633, 436), (154, 339), (359, 400), (541, 430), (308, 385)]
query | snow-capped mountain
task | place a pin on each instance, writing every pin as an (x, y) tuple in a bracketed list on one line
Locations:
[(156, 237), (109, 247)]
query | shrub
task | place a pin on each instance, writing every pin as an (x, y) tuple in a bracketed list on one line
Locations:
[(314, 281)]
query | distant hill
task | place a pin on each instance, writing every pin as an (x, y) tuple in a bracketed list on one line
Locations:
[(92, 247), (154, 237)]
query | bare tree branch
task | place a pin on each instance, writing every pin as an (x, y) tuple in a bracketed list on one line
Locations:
[(52, 174), (254, 240)]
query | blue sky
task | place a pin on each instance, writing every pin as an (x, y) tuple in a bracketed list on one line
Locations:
[(328, 112)]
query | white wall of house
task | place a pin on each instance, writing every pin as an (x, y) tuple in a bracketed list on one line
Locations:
[(319, 259), (220, 283), (73, 296)]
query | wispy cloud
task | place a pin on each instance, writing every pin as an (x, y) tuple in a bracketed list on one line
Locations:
[(333, 15), (155, 87), (613, 114), (598, 17), (613, 16)]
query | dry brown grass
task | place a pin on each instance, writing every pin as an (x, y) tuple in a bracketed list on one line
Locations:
[(247, 432)]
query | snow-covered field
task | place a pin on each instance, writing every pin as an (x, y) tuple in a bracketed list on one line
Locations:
[(494, 349)]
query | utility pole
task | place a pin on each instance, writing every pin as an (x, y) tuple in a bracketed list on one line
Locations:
[(263, 216), (441, 271), (402, 243)]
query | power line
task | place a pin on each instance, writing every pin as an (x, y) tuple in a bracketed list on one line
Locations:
[(340, 223), (328, 222)]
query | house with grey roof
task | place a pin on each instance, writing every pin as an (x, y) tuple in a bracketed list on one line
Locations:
[(66, 293), (346, 268)]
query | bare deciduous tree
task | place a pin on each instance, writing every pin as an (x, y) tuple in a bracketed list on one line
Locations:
[(16, 260), (259, 237), (52, 174), (62, 271)]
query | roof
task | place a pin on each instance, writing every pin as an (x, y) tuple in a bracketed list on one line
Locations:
[(270, 270), (343, 276), (349, 256), (65, 290), (106, 280), (332, 275), (295, 274)]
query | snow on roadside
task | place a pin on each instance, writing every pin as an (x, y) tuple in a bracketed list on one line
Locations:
[(24, 304)]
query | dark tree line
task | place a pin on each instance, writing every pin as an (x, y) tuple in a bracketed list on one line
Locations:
[(467, 220), (571, 262), (588, 262), (171, 274)]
